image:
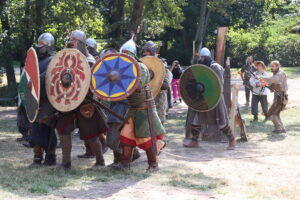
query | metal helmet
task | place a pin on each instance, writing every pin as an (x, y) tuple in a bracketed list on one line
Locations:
[(205, 52), (46, 39), (91, 43), (107, 51), (129, 46), (79, 35), (151, 47)]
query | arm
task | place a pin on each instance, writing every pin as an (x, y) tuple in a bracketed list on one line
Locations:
[(273, 79)]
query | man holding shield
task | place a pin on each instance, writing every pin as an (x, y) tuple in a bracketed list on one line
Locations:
[(88, 117), (43, 138), (143, 127), (196, 120)]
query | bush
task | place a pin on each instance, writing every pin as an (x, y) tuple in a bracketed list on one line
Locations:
[(270, 41)]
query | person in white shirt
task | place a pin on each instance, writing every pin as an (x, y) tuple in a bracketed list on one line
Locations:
[(259, 93)]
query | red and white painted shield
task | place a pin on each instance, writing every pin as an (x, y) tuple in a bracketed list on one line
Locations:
[(71, 65), (32, 95)]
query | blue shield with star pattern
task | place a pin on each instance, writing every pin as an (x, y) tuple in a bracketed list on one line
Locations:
[(115, 76)]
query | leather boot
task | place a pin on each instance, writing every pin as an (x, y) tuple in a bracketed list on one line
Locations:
[(193, 143), (136, 154), (66, 148), (50, 158), (126, 158), (228, 132), (96, 148), (255, 118), (117, 159), (37, 156), (152, 161), (88, 152), (277, 124)]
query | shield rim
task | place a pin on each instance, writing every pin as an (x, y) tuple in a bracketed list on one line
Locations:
[(47, 81), (219, 81), (157, 91), (39, 86), (121, 97)]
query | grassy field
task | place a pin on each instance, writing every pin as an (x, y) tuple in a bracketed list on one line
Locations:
[(264, 168)]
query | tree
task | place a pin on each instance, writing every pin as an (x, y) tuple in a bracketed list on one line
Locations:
[(6, 51)]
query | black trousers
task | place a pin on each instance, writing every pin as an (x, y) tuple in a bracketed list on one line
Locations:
[(263, 99), (247, 93)]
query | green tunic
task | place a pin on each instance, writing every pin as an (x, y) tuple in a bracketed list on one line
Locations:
[(140, 117)]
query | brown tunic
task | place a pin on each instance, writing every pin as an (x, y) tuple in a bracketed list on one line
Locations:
[(279, 83)]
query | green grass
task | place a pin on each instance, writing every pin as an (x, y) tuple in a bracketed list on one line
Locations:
[(195, 181), (42, 180)]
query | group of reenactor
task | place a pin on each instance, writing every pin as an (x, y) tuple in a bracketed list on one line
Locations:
[(257, 81), (137, 120), (141, 125)]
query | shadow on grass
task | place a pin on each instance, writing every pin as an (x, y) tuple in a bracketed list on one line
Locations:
[(43, 180), (195, 181)]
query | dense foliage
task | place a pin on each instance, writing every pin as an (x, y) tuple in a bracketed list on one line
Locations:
[(275, 37), (268, 29)]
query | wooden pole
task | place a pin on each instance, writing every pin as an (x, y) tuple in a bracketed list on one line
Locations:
[(221, 43), (234, 102), (227, 83)]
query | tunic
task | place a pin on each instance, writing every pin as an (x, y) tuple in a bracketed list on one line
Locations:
[(278, 82), (137, 131), (218, 115)]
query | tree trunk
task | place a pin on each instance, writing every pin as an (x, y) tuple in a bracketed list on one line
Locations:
[(119, 15), (27, 35), (137, 16), (7, 59), (201, 29), (39, 10)]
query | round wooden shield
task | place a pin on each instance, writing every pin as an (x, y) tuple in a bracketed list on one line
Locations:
[(115, 76), (32, 95), (72, 65), (157, 67), (200, 88)]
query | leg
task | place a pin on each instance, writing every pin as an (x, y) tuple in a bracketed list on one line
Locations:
[(231, 138), (178, 90), (113, 141), (65, 127), (174, 88), (50, 158), (264, 105), (254, 107), (247, 93), (152, 160), (66, 148), (38, 156), (277, 124), (281, 124), (103, 143), (126, 158), (88, 152), (96, 148), (194, 143)]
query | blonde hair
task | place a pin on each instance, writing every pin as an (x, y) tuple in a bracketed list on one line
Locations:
[(276, 63)]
